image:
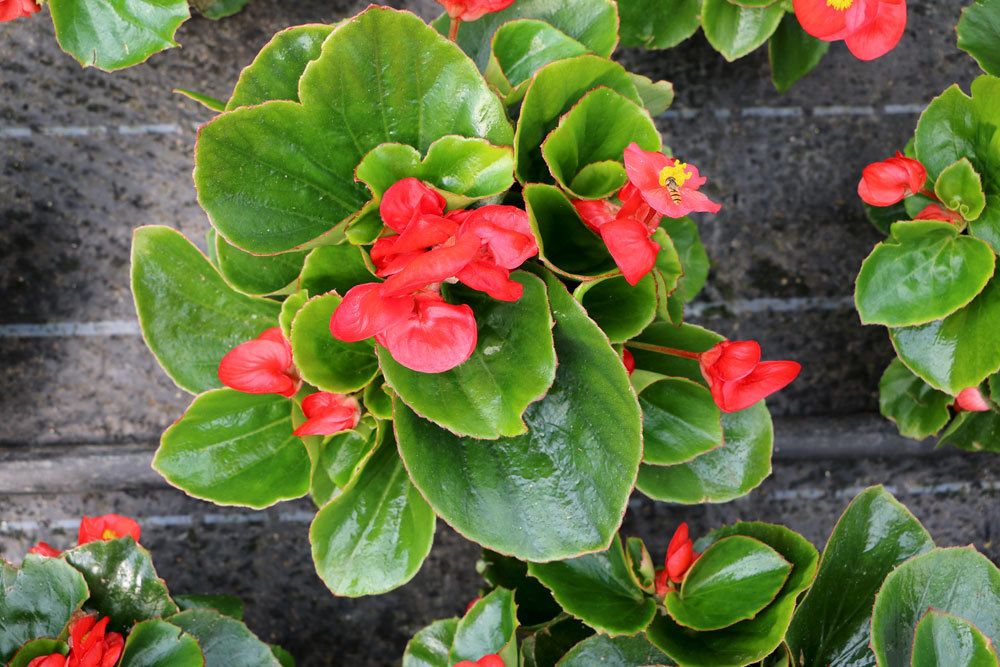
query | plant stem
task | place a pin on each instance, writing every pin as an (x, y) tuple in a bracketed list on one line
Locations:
[(649, 347), (453, 29)]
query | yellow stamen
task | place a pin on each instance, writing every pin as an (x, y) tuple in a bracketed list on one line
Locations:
[(109, 534), (839, 5), (678, 172)]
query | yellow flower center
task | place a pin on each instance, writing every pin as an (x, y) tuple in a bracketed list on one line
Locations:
[(109, 534), (676, 173), (840, 5)]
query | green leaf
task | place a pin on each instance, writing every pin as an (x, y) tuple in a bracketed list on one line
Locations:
[(657, 96), (335, 268), (378, 399), (547, 644), (280, 175), (37, 648), (289, 308), (917, 409), (555, 89), (599, 589), (667, 273), (680, 421), (832, 624), (734, 30), (156, 643), (257, 274), (960, 189), (584, 152), (112, 35), (535, 604), (520, 48), (973, 432), (722, 474), (122, 580), (882, 217), (430, 647), (227, 605), (620, 309), (36, 600), (513, 365), (944, 639), (488, 627), (464, 170), (285, 659), (561, 489), (694, 260), (643, 570), (959, 580), (338, 460), (660, 25), (565, 244), (224, 641), (207, 101), (733, 581), (190, 317), (324, 361), (958, 351), (235, 449), (923, 272), (979, 34), (275, 72), (688, 337), (219, 9), (375, 535), (366, 227), (614, 652), (793, 53)]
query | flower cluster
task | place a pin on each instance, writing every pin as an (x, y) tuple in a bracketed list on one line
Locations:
[(93, 529), (680, 557), (90, 645), (869, 28), (16, 9), (427, 246)]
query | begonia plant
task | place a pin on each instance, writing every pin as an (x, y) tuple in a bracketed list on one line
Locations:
[(446, 278), (750, 593), (102, 604)]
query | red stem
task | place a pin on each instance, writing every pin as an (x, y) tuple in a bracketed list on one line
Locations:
[(649, 347), (453, 29)]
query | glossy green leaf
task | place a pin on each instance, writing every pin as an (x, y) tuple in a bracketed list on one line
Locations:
[(555, 90), (732, 581), (122, 580), (513, 365), (793, 53), (657, 96), (882, 217), (643, 569), (463, 169), (565, 244), (190, 317), (547, 644), (156, 643), (974, 432), (274, 74), (875, 533), (219, 9), (227, 605), (378, 399), (685, 337), (520, 48), (958, 351), (721, 475), (918, 409), (235, 449), (667, 273), (944, 639), (339, 458), (224, 641), (734, 30), (285, 659), (561, 489), (488, 627), (615, 652), (979, 33), (375, 535), (620, 309), (257, 274), (680, 421), (585, 150), (112, 35), (924, 271), (37, 648), (660, 25), (960, 581), (694, 260), (535, 604), (207, 101), (334, 268), (289, 308), (600, 590), (279, 175), (324, 361), (36, 600), (960, 189), (430, 647)]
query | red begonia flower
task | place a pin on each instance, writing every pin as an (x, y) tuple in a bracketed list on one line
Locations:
[(261, 366), (16, 9), (486, 276), (470, 10), (436, 337), (870, 28), (971, 400), (892, 180), (328, 413), (938, 212), (54, 660), (407, 199), (107, 527), (433, 266), (668, 185), (628, 360), (505, 231), (738, 379), (625, 230), (680, 557), (365, 311), (90, 645), (45, 549), (491, 660)]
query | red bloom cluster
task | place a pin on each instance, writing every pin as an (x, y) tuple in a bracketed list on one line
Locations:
[(891, 181), (16, 9), (870, 28), (680, 557), (407, 314), (95, 529), (971, 400), (90, 645), (658, 186), (328, 413), (491, 660), (738, 378)]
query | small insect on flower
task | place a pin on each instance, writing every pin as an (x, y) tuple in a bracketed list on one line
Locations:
[(668, 186)]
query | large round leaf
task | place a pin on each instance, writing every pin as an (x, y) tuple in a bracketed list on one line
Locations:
[(620, 309), (960, 189), (520, 48), (513, 365), (274, 74), (561, 489), (487, 628), (190, 316), (658, 25), (156, 643), (614, 652), (680, 421), (235, 449), (735, 30), (278, 175), (430, 647), (36, 600), (960, 581), (918, 409), (979, 33), (944, 639), (224, 641), (373, 536), (324, 361), (923, 272), (599, 589)]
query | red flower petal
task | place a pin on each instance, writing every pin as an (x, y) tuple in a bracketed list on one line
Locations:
[(823, 20), (365, 312), (425, 231), (437, 337), (44, 549), (107, 527), (679, 562), (680, 536), (15, 9), (328, 413), (767, 378), (407, 199), (494, 280), (644, 167), (595, 214), (470, 10), (938, 212), (628, 360), (433, 267), (972, 400), (506, 232), (730, 360), (880, 35), (260, 366), (54, 660), (629, 244), (888, 182)]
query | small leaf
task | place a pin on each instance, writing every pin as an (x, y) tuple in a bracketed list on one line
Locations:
[(207, 101), (430, 647), (488, 627), (882, 217), (659, 25), (289, 308), (793, 53), (324, 361), (734, 30), (917, 409), (335, 268), (960, 188), (945, 639), (667, 273), (520, 48), (657, 96), (614, 652), (257, 274), (378, 399), (643, 570), (680, 421), (156, 643), (219, 9), (285, 659), (565, 244), (979, 33), (620, 309), (339, 458), (274, 74), (694, 260), (227, 605), (224, 641), (973, 432)]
